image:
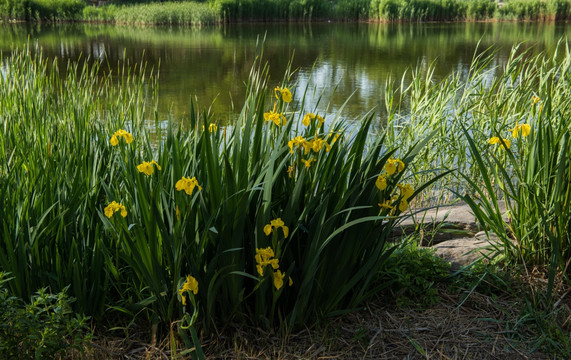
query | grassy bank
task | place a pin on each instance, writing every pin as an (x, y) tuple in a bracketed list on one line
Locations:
[(252, 221), (217, 11)]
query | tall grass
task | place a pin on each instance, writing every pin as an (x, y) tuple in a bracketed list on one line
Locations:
[(168, 13), (533, 175), (529, 172), (63, 161), (535, 10), (53, 171), (42, 10)]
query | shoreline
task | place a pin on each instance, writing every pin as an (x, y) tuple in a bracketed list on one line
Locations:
[(280, 21)]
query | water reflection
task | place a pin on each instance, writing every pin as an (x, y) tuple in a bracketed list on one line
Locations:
[(335, 60)]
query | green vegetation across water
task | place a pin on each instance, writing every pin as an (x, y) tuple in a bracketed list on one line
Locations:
[(217, 11)]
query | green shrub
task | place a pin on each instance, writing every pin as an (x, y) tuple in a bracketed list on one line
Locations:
[(411, 274), (40, 329)]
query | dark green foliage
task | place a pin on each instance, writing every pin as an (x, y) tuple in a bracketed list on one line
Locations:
[(40, 329), (411, 275)]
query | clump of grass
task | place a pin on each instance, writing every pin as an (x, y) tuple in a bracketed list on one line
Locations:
[(206, 224)]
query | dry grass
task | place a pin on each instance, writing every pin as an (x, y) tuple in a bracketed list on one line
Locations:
[(464, 325)]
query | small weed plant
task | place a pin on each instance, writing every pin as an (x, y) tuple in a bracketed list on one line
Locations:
[(41, 329)]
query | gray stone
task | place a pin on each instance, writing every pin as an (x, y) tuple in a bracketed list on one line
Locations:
[(465, 251)]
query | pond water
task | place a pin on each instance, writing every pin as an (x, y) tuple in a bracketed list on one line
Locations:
[(337, 60)]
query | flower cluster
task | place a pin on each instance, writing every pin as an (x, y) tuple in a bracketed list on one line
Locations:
[(266, 257), (317, 144), (121, 133), (274, 225), (395, 201), (147, 168), (191, 285), (188, 185), (113, 207)]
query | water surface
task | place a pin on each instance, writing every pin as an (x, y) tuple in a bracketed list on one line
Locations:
[(336, 60)]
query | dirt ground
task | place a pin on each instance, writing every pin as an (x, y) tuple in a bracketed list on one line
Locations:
[(467, 325)]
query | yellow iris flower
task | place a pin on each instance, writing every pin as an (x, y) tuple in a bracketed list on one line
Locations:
[(113, 207), (191, 285), (311, 116), (525, 130), (308, 162), (496, 140), (265, 257), (120, 133), (295, 142), (277, 118), (386, 205), (275, 224), (187, 185), (403, 205), (147, 167), (278, 279), (406, 191), (393, 165), (285, 93), (381, 182)]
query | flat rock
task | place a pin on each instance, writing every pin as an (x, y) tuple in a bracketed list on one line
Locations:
[(458, 214), (465, 251), (438, 224)]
